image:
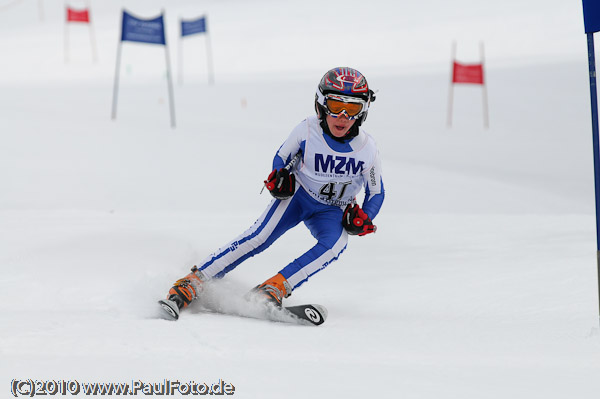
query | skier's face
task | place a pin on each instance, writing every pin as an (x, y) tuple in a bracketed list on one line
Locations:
[(339, 126)]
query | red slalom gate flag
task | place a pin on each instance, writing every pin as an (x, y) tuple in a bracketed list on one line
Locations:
[(463, 73), (78, 15)]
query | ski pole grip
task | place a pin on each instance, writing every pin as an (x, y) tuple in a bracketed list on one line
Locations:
[(270, 185), (293, 161)]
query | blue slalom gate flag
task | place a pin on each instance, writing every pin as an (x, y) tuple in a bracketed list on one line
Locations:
[(143, 30), (140, 30), (193, 27), (591, 15)]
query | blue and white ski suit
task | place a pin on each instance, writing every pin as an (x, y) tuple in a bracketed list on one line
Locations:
[(329, 177)]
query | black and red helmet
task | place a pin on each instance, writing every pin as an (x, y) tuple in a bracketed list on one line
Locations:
[(341, 86)]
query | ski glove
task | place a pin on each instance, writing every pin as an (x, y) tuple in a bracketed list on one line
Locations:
[(281, 183), (357, 222)]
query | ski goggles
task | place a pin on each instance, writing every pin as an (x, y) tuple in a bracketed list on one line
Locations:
[(338, 105)]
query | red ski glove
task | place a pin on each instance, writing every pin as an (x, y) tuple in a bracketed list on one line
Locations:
[(281, 183), (357, 222)]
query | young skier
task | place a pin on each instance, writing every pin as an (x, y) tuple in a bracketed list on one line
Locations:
[(317, 173)]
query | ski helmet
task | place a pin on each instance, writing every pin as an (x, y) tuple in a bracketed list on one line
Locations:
[(344, 90)]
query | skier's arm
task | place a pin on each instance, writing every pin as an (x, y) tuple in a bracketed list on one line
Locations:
[(374, 191), (372, 203), (278, 162), (291, 146), (281, 182)]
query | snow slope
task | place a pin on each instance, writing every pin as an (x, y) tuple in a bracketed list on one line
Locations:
[(480, 282)]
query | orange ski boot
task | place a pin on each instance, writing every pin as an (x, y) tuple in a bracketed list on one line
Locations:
[(273, 290), (183, 292)]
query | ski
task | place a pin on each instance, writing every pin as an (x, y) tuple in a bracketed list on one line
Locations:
[(170, 309), (308, 314), (313, 314)]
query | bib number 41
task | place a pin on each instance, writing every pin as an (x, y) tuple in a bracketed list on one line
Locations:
[(331, 190)]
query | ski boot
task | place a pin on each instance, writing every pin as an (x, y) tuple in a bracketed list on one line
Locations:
[(272, 291), (183, 292)]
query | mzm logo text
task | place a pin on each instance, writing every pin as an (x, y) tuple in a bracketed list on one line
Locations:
[(339, 165)]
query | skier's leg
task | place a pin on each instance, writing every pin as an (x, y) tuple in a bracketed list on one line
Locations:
[(327, 228), (279, 217)]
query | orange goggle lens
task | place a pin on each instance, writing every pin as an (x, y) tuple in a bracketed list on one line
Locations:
[(336, 107)]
